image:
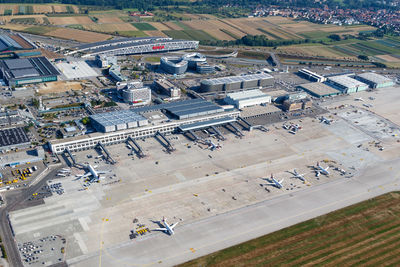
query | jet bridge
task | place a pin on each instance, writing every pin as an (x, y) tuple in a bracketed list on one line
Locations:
[(195, 137), (218, 132), (261, 127), (108, 156), (236, 129), (136, 147), (247, 125), (70, 155), (164, 141)]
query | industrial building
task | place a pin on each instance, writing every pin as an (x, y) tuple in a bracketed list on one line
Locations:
[(117, 120), (131, 46), (319, 89), (312, 76), (375, 80), (174, 65), (13, 138), (115, 73), (135, 93), (293, 105), (22, 71), (15, 41), (22, 157), (167, 88), (346, 84), (233, 83), (188, 112), (247, 98), (103, 61)]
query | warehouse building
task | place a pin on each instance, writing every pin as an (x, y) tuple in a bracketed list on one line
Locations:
[(319, 89), (375, 80), (233, 83), (247, 98), (13, 138), (312, 76), (174, 65), (103, 61), (22, 157), (167, 88), (15, 41), (117, 120), (22, 71), (346, 84), (135, 93)]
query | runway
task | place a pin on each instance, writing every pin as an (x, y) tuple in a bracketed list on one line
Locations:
[(218, 232)]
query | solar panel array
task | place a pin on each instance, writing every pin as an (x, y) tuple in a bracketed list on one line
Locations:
[(184, 109), (13, 136), (116, 120), (232, 79)]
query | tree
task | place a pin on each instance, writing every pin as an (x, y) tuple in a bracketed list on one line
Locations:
[(85, 120), (334, 37), (363, 57)]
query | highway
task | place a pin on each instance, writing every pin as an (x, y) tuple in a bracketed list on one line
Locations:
[(13, 199), (214, 233)]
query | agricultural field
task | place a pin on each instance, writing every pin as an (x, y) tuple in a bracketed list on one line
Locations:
[(364, 234), (189, 35), (78, 35), (109, 27), (28, 9), (144, 27)]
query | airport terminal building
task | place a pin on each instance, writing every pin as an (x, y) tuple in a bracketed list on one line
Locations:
[(182, 116)]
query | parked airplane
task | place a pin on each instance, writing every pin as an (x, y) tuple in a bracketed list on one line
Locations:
[(358, 99), (321, 169), (277, 184), (61, 174), (326, 120), (92, 172), (298, 175), (169, 229)]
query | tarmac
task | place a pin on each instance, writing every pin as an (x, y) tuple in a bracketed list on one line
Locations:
[(219, 197)]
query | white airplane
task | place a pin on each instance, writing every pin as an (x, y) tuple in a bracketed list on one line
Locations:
[(298, 175), (92, 172), (276, 183), (325, 120), (64, 171), (61, 175), (169, 229), (358, 99), (321, 169)]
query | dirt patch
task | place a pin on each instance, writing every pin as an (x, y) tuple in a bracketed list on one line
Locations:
[(59, 87), (70, 20)]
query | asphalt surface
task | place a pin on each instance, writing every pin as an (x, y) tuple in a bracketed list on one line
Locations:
[(218, 232), (13, 200)]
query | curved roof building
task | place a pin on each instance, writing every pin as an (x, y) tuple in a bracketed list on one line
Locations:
[(193, 59), (131, 46), (174, 65)]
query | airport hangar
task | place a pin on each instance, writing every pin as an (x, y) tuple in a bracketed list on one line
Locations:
[(180, 116), (131, 46)]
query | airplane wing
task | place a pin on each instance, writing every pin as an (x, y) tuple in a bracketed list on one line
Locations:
[(270, 183), (160, 229), (84, 175), (173, 226), (101, 172), (281, 181), (327, 168)]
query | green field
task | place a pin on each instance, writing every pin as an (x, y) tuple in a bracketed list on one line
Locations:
[(144, 26), (365, 234), (40, 30), (182, 25)]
